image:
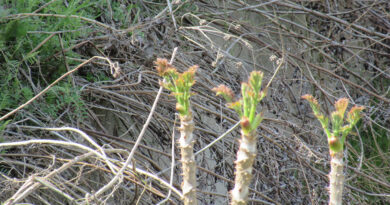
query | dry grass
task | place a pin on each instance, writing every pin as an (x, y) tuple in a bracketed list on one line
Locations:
[(331, 51)]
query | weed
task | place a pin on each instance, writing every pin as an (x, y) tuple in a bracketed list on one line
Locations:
[(21, 58)]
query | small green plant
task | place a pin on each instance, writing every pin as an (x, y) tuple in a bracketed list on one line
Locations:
[(180, 85), (3, 125), (336, 140), (28, 42), (4, 169), (246, 108)]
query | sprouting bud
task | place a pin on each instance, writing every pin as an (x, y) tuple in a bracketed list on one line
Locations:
[(178, 83), (313, 103), (337, 121), (262, 94), (255, 80), (225, 91), (235, 106), (180, 108), (161, 65), (244, 89), (189, 75), (354, 114), (341, 105), (334, 144), (310, 98), (245, 124)]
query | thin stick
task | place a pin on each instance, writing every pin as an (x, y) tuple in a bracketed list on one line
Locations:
[(172, 166), (29, 186), (204, 148), (219, 138), (112, 65), (89, 139), (170, 11), (44, 6), (129, 158), (49, 141)]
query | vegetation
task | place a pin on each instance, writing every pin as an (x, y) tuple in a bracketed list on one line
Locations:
[(84, 119), (246, 154), (180, 86), (27, 44), (336, 141)]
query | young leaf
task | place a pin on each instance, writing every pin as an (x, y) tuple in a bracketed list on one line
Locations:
[(256, 122), (255, 79), (313, 103), (354, 115), (341, 105), (236, 106), (161, 66), (225, 91), (337, 121)]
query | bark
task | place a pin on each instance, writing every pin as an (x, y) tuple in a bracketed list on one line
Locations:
[(244, 165), (336, 178), (186, 142)]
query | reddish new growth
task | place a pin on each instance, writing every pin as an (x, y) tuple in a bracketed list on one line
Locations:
[(225, 91), (354, 113), (341, 105), (163, 67), (192, 70), (310, 98), (245, 124), (334, 144)]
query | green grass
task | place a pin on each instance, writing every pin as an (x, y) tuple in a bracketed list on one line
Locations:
[(19, 36), (375, 142)]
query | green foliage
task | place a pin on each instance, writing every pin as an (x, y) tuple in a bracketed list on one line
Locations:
[(247, 105), (20, 35), (336, 138), (178, 83), (376, 144), (122, 15), (14, 30), (2, 127), (373, 148), (10, 86), (63, 96), (3, 151)]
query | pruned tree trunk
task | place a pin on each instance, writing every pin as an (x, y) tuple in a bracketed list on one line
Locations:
[(186, 142), (336, 178), (244, 165)]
